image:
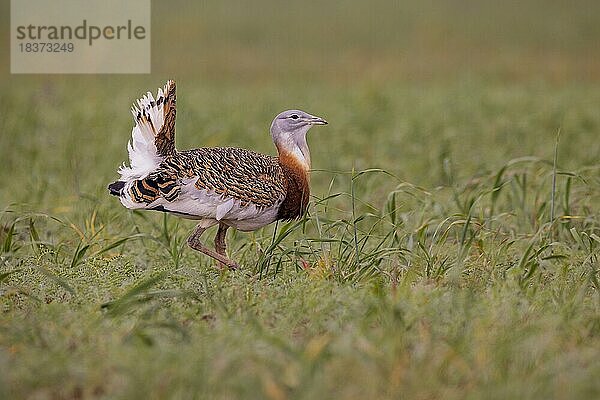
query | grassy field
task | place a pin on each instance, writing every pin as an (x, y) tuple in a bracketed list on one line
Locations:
[(452, 242)]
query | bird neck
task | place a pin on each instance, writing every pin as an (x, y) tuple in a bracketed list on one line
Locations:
[(294, 151), (295, 166)]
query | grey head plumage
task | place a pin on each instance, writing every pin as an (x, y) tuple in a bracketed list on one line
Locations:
[(289, 129)]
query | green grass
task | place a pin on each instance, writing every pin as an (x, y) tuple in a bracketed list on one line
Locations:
[(429, 265)]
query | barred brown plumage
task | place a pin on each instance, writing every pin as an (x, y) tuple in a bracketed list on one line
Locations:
[(244, 175), (228, 186), (165, 140)]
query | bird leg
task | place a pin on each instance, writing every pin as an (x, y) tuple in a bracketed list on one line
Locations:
[(194, 242), (220, 245)]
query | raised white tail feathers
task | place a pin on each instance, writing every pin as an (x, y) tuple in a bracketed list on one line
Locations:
[(149, 117)]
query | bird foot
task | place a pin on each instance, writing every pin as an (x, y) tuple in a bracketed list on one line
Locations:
[(219, 253), (223, 261), (232, 265)]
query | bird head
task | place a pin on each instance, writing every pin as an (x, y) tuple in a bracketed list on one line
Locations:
[(288, 131)]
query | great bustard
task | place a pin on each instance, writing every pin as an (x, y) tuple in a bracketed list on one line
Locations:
[(227, 186)]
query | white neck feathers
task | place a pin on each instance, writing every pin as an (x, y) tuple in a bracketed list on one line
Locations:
[(294, 145)]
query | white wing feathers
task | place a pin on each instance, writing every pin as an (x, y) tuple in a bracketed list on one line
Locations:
[(223, 209), (212, 208), (149, 117)]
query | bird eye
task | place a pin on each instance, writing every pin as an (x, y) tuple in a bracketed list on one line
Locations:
[(294, 116)]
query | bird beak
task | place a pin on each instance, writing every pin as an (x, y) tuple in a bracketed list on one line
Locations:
[(316, 121)]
